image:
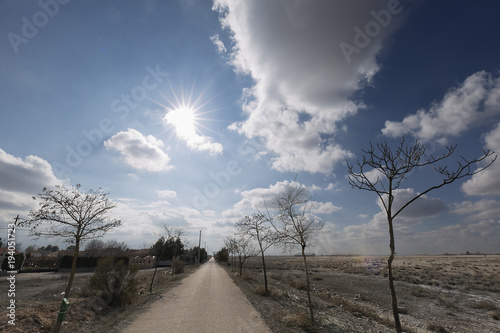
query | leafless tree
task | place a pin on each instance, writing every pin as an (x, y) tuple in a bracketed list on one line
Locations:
[(296, 226), (230, 244), (244, 250), (72, 215), (393, 167), (258, 228), (94, 247)]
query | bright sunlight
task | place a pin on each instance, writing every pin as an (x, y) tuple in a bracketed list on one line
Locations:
[(184, 121)]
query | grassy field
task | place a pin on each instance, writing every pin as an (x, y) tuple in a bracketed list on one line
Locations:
[(351, 294)]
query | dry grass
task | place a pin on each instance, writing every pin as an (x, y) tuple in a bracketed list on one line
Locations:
[(351, 294), (297, 319)]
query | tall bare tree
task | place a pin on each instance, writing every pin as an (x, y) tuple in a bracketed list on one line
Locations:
[(392, 167), (258, 228), (296, 226), (72, 215)]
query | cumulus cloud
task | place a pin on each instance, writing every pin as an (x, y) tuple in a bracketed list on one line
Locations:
[(262, 199), (475, 100), (486, 182), (20, 180), (143, 221), (139, 151), (480, 210), (323, 207), (303, 80)]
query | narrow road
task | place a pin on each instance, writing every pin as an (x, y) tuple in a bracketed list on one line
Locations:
[(207, 301)]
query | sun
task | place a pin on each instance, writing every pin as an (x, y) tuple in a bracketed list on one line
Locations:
[(183, 119)]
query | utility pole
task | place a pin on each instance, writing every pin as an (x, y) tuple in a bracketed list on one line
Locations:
[(199, 248)]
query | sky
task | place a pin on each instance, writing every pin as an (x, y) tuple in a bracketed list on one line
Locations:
[(193, 114)]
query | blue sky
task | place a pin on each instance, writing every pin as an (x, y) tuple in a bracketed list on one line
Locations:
[(96, 93)]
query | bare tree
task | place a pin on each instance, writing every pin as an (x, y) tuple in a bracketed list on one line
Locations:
[(230, 243), (296, 226), (94, 247), (73, 216), (257, 227), (244, 250), (393, 167)]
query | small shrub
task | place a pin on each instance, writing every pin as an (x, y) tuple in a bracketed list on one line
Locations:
[(297, 319), (115, 281), (446, 301), (495, 315), (277, 277), (436, 327), (300, 285), (261, 290), (178, 266)]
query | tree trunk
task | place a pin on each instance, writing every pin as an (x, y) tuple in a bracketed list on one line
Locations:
[(391, 280), (58, 324), (73, 268), (265, 272), (153, 278), (308, 286)]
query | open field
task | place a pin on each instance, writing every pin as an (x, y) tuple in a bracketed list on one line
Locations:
[(351, 294), (39, 295)]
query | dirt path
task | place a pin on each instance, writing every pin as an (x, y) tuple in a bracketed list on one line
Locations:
[(207, 301)]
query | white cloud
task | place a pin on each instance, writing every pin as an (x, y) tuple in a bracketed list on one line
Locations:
[(323, 207), (166, 194), (481, 236), (142, 222), (479, 210), (486, 182), (302, 79), (139, 151), (20, 180), (330, 187), (218, 43), (475, 100), (261, 199)]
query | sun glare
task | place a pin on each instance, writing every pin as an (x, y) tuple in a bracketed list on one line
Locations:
[(184, 121)]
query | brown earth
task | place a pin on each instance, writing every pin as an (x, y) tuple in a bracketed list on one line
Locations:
[(38, 298), (351, 294)]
